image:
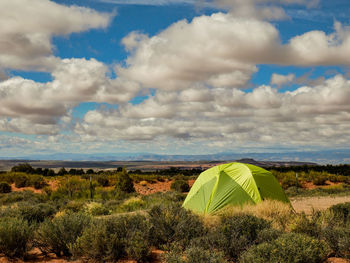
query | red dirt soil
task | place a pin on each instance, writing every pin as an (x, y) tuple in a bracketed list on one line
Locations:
[(310, 185), (53, 185), (151, 188), (35, 256)]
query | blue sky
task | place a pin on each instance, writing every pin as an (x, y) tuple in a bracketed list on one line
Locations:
[(173, 77)]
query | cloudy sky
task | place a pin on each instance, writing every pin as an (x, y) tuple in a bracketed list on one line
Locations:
[(173, 76)]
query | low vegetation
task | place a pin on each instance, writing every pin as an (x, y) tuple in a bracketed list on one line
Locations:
[(118, 223)]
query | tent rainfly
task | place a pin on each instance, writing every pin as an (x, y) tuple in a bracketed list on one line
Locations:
[(232, 184)]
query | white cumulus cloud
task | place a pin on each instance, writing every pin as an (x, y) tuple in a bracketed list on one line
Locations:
[(27, 27)]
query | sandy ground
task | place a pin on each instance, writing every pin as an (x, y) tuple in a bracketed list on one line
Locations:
[(307, 204), (152, 188), (337, 260)]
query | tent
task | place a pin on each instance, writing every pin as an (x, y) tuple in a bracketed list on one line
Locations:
[(234, 184)]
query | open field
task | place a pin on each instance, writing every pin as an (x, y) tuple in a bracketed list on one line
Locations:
[(300, 204), (122, 216)]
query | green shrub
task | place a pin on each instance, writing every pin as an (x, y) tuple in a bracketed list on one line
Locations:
[(112, 204), (268, 235), (31, 212), (132, 204), (305, 225), (212, 239), (341, 212), (180, 186), (124, 183), (103, 180), (240, 232), (289, 180), (137, 237), (96, 209), (21, 180), (119, 195), (5, 188), (333, 178), (199, 255), (172, 223), (98, 243), (74, 206), (55, 236), (344, 243), (36, 213), (7, 178), (15, 237), (319, 180), (73, 187), (114, 238), (137, 246), (18, 196), (289, 248), (37, 181), (259, 254), (338, 239), (103, 194), (173, 256), (23, 167)]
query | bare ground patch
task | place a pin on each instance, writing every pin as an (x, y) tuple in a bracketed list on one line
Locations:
[(308, 204)]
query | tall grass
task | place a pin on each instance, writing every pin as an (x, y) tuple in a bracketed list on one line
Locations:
[(280, 214)]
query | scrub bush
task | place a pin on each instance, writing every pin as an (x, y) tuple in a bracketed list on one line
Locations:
[(173, 256), (103, 180), (132, 204), (289, 180), (114, 238), (37, 181), (279, 213), (305, 225), (341, 212), (21, 180), (198, 255), (268, 235), (124, 183), (55, 236), (74, 206), (319, 180), (338, 239), (289, 248), (180, 186), (15, 237), (5, 188), (73, 187), (6, 177), (98, 243), (212, 239), (240, 232), (172, 223), (18, 196), (36, 213), (96, 209)]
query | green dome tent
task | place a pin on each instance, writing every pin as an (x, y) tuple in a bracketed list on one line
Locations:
[(232, 183)]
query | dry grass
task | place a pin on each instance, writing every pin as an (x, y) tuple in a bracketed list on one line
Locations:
[(277, 212)]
